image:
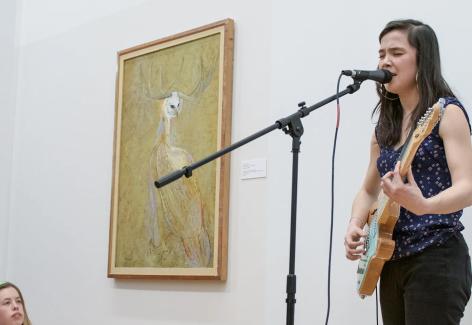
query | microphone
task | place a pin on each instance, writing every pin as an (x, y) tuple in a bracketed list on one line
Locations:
[(382, 76)]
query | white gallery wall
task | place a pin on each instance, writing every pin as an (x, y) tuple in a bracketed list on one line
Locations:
[(56, 133), (8, 73)]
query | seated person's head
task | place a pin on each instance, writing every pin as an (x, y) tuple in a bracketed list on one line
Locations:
[(12, 305)]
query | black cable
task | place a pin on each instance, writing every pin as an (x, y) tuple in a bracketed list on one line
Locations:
[(332, 199), (376, 305)]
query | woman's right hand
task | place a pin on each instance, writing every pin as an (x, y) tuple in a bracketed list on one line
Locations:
[(354, 240)]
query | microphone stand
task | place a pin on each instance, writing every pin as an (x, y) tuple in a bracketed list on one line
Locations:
[(291, 125)]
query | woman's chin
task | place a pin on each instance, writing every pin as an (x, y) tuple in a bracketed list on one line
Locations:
[(391, 89)]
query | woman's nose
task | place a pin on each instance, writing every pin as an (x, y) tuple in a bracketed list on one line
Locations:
[(385, 62)]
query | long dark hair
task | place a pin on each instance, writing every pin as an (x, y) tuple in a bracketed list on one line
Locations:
[(4, 285), (430, 82)]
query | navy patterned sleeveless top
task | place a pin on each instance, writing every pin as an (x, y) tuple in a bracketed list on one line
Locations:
[(413, 233)]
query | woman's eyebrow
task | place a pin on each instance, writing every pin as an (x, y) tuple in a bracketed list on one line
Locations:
[(391, 49)]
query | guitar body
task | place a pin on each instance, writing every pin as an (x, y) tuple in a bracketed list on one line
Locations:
[(379, 246)]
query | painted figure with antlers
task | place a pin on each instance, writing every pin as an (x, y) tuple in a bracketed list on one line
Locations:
[(182, 211)]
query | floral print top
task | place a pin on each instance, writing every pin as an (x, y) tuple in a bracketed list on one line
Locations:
[(413, 233)]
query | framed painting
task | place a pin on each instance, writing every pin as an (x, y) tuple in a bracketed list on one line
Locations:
[(173, 107)]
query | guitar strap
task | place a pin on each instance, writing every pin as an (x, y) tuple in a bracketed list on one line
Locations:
[(405, 146)]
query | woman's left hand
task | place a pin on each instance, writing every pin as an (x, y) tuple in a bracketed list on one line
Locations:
[(407, 195)]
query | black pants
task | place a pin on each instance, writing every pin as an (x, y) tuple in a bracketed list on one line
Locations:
[(430, 288)]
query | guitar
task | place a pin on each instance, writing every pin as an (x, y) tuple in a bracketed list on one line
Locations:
[(383, 215)]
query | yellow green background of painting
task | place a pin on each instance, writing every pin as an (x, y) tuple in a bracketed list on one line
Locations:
[(147, 76)]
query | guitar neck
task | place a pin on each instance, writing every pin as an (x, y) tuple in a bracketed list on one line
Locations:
[(417, 135)]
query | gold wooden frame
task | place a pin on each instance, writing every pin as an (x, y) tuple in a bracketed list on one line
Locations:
[(173, 107)]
